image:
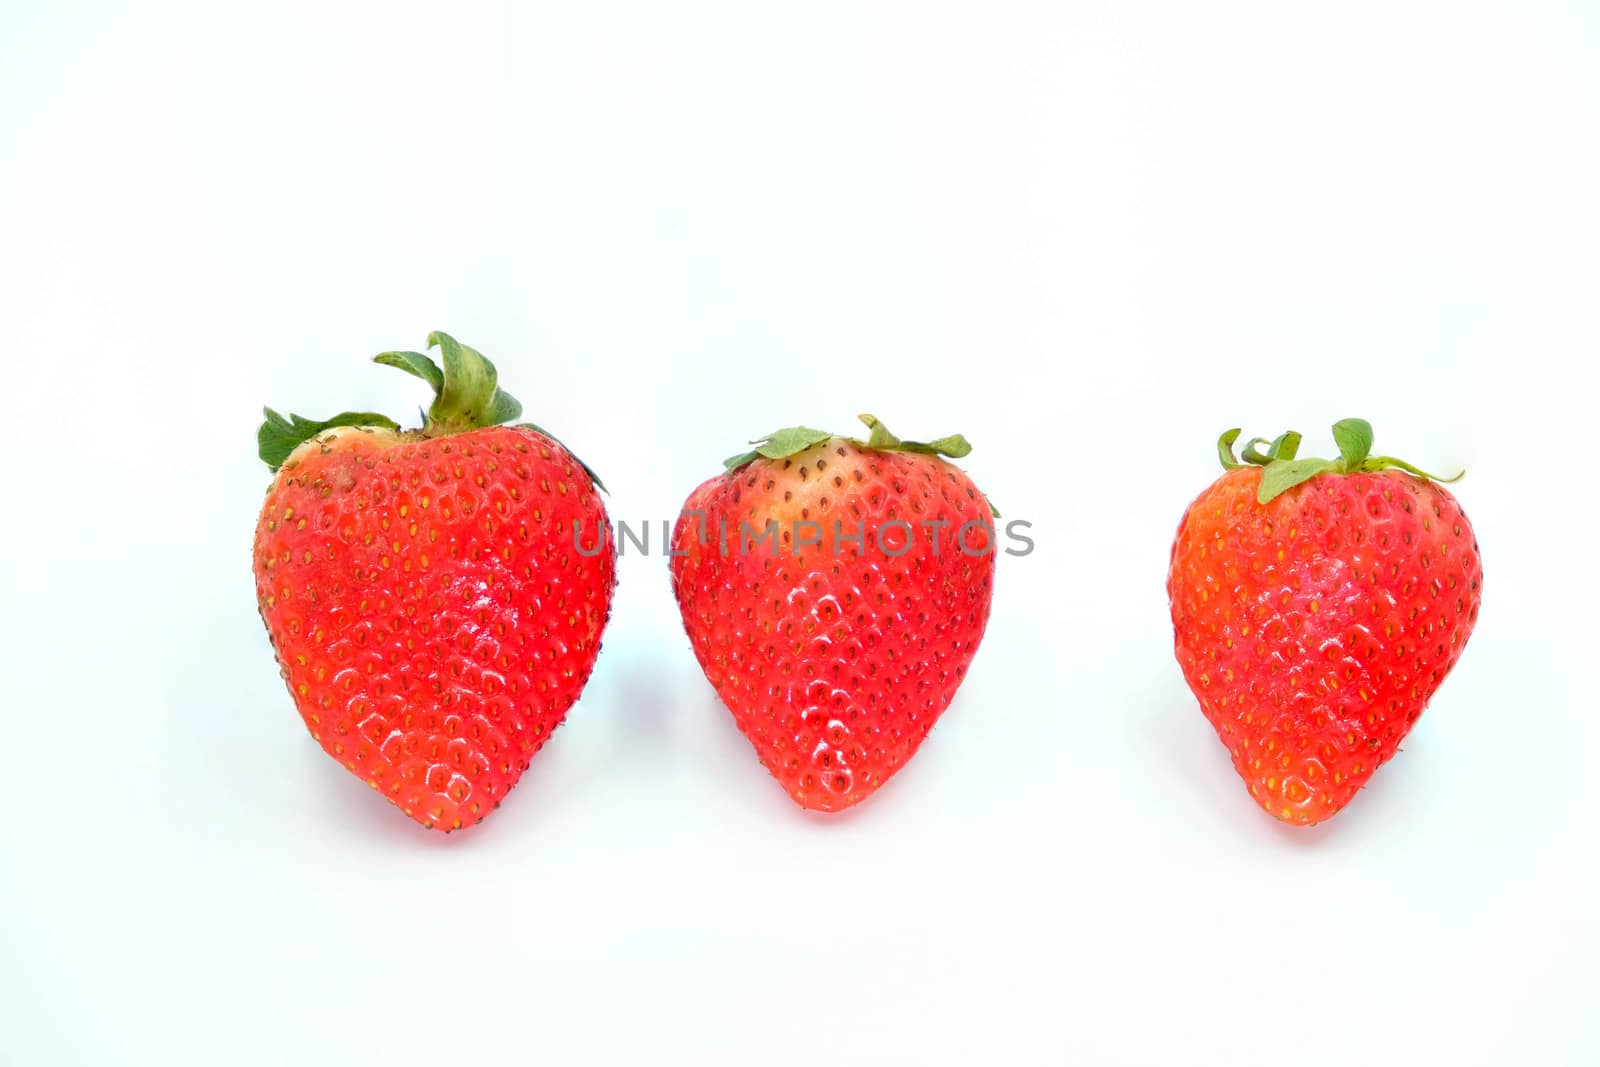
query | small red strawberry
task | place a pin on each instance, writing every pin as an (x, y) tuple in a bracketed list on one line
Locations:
[(1317, 606), (424, 590), (835, 592)]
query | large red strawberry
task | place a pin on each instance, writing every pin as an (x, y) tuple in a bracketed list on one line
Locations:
[(835, 591), (435, 597), (1317, 606)]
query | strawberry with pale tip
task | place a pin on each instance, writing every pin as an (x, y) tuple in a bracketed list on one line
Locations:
[(835, 591)]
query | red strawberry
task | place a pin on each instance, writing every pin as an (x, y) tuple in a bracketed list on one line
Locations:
[(423, 591), (1317, 606), (836, 655)]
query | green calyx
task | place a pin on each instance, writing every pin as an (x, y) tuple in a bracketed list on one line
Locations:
[(782, 444), (466, 396), (1281, 470), (466, 390)]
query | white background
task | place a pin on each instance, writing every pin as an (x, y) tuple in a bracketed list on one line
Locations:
[(1088, 236)]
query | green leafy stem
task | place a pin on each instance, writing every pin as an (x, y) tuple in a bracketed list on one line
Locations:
[(466, 396), (1282, 471), (781, 444)]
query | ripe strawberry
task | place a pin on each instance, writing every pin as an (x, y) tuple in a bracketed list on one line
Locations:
[(422, 590), (1317, 606), (838, 634)]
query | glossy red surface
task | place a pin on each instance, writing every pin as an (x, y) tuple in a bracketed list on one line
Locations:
[(836, 659), (429, 612)]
